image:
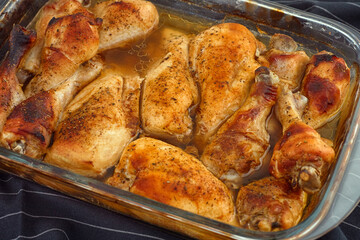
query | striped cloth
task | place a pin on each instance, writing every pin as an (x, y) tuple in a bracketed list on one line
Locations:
[(31, 211)]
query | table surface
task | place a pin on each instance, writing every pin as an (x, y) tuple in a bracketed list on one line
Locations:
[(31, 211)]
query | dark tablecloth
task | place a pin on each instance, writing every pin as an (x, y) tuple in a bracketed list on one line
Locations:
[(31, 211)]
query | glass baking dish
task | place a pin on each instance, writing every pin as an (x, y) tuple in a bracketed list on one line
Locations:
[(329, 207)]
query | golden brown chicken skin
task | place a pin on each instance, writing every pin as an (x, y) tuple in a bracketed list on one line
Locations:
[(285, 61), (165, 173), (53, 9), (169, 93), (270, 204), (223, 62), (125, 22), (96, 126), (21, 40), (32, 118), (57, 9), (69, 41), (240, 144), (301, 155), (29, 127), (326, 85)]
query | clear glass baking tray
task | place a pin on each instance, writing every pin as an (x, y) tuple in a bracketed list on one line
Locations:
[(327, 209)]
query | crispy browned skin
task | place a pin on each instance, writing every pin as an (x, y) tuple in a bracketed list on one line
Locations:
[(29, 127), (241, 142), (57, 9), (31, 119), (96, 126), (53, 9), (21, 40), (222, 59), (301, 155), (270, 204), (169, 92), (285, 61), (69, 41), (165, 173), (326, 85), (125, 22)]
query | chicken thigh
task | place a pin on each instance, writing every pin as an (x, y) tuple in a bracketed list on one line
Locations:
[(222, 59), (69, 41), (125, 22), (29, 127), (301, 155), (96, 126), (53, 9), (326, 85), (241, 142), (165, 173), (21, 40), (285, 61), (270, 204), (169, 93)]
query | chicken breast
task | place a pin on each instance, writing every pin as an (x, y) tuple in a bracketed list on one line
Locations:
[(125, 22), (301, 155), (270, 204), (21, 40), (326, 85), (169, 93), (69, 41), (165, 173), (29, 127), (96, 127), (223, 62), (242, 141), (53, 9), (285, 61)]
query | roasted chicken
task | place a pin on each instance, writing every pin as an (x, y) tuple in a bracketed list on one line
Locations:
[(69, 41), (301, 155), (29, 127), (222, 59), (238, 147), (270, 204), (326, 85), (97, 125), (173, 116), (125, 22), (165, 173), (285, 61), (53, 9), (169, 93), (21, 40)]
